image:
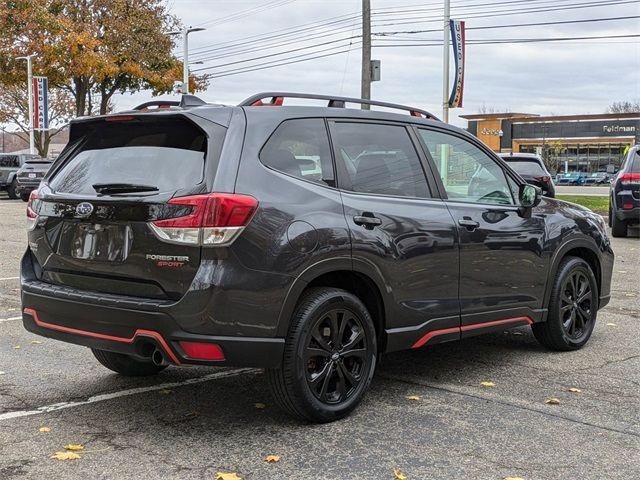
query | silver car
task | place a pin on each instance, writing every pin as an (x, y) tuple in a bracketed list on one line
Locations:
[(10, 163)]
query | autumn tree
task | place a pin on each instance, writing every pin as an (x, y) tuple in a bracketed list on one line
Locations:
[(15, 110), (92, 48)]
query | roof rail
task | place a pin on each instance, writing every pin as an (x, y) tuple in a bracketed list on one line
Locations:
[(187, 101), (277, 99)]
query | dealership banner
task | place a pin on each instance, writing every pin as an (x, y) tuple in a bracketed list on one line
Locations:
[(40, 103), (457, 35)]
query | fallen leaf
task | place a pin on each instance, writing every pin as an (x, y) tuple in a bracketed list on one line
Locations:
[(17, 347), (227, 476), (513, 478), (260, 406), (3, 373), (398, 475), (413, 397), (612, 325), (191, 414), (74, 447), (35, 342), (272, 458), (552, 401), (165, 392), (517, 333), (622, 271), (629, 294), (575, 390), (44, 429), (487, 384), (65, 456)]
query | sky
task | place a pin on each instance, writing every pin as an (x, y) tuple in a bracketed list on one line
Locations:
[(567, 77)]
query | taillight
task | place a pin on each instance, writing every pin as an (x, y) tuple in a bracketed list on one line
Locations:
[(630, 178), (212, 220), (32, 210)]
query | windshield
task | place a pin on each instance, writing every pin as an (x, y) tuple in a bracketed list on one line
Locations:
[(526, 167), (167, 153)]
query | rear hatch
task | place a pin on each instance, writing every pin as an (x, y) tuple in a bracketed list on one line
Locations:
[(530, 170), (32, 172), (97, 205)]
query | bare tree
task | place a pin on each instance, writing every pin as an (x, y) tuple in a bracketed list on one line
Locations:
[(625, 106)]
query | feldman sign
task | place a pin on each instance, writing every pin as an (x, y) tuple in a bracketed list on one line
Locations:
[(457, 35), (40, 103), (619, 128)]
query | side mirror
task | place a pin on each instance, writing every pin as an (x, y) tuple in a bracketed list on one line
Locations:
[(529, 195)]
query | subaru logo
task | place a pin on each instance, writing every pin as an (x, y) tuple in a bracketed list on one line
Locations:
[(84, 209)]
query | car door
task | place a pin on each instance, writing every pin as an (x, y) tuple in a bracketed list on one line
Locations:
[(502, 263), (399, 229)]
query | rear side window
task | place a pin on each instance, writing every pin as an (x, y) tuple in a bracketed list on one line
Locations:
[(167, 153), (635, 163), (380, 159), (300, 147), (526, 167), (9, 161)]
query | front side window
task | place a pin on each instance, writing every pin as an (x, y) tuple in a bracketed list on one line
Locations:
[(300, 147), (380, 159), (468, 174)]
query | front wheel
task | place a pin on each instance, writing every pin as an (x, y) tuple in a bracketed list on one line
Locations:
[(329, 357), (572, 308), (126, 365)]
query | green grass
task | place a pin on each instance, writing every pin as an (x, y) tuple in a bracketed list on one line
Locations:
[(597, 204)]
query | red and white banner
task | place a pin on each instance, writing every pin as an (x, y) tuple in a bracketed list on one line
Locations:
[(457, 35), (40, 103)]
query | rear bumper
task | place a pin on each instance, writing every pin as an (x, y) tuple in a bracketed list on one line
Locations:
[(128, 325), (26, 187)]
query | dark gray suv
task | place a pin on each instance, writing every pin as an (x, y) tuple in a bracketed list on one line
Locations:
[(305, 240)]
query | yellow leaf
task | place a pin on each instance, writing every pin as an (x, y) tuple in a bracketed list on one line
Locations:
[(513, 478), (65, 456), (17, 347), (227, 476), (575, 390), (3, 373), (35, 342), (398, 475), (272, 458), (260, 406), (165, 392), (629, 294), (74, 447), (44, 429), (413, 397), (552, 401), (612, 324), (487, 384)]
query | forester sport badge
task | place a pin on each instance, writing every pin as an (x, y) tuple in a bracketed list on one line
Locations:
[(84, 209)]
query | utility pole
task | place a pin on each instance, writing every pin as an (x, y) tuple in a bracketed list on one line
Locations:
[(32, 143), (185, 54), (445, 63), (365, 86)]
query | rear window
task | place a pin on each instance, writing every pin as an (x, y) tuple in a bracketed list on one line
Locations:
[(525, 167), (167, 153), (9, 161)]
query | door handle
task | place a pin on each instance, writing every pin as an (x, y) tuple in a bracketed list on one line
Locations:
[(468, 223), (367, 220)]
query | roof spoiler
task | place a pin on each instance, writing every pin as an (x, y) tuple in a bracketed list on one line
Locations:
[(187, 101)]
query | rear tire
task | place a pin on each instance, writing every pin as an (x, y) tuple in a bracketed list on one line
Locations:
[(618, 227), (572, 308), (126, 365), (24, 197), (11, 191), (329, 357)]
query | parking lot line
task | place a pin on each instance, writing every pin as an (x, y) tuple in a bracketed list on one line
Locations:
[(124, 393), (10, 319), (9, 278)]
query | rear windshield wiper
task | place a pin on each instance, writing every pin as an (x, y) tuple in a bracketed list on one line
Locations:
[(107, 188)]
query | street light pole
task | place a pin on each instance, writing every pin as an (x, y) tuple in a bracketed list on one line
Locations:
[(365, 81), (445, 63), (32, 148), (185, 54)]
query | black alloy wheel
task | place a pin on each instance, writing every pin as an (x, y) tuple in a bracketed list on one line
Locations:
[(329, 356), (576, 306)]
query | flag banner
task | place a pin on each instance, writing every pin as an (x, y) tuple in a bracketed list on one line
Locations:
[(457, 35), (40, 103)]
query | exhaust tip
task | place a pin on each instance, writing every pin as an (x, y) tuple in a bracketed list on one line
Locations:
[(158, 358)]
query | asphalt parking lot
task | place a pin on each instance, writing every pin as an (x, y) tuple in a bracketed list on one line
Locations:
[(194, 422)]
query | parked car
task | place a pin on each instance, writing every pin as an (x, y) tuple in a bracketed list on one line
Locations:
[(598, 178), (198, 234), (10, 163), (572, 178), (532, 169), (29, 176), (624, 195)]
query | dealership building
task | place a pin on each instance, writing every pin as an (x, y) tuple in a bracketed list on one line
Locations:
[(588, 143)]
